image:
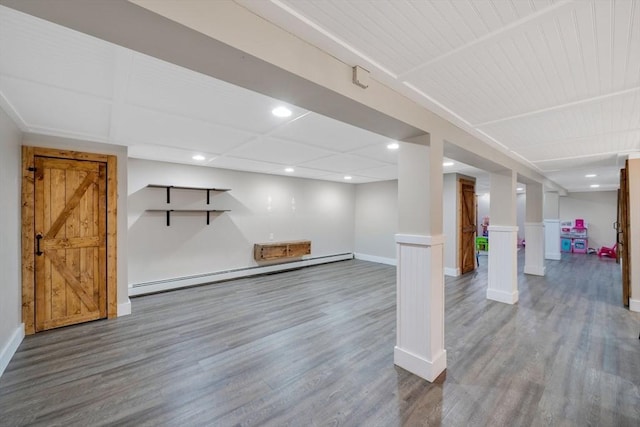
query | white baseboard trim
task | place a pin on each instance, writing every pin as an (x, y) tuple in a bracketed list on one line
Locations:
[(557, 256), (453, 272), (501, 296), (183, 282), (634, 305), (125, 308), (535, 270), (429, 370), (10, 347), (374, 258)]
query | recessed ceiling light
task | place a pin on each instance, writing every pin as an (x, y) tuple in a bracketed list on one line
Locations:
[(289, 170), (347, 177), (590, 175), (447, 164), (519, 189), (199, 157), (281, 112), (393, 146), (594, 185)]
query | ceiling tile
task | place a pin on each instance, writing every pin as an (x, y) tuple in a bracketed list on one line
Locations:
[(324, 132), (158, 85), (344, 163), (377, 152), (39, 51), (168, 154), (384, 172), (56, 111), (228, 162), (141, 126), (278, 151)]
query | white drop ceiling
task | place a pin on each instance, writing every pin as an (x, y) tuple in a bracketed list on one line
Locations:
[(555, 83)]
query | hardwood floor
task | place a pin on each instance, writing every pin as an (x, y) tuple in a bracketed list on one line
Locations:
[(315, 347)]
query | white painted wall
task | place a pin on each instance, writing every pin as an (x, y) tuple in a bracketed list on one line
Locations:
[(11, 328), (124, 306), (376, 221), (261, 206), (484, 200), (521, 204), (598, 209), (450, 223)]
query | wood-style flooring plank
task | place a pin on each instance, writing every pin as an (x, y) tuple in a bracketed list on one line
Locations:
[(314, 346)]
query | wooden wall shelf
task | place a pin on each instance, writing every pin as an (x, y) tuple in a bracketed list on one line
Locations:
[(168, 212), (177, 187), (281, 250)]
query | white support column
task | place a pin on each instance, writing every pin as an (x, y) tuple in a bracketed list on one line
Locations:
[(633, 179), (552, 239), (420, 280), (551, 205), (552, 226), (503, 239), (534, 231)]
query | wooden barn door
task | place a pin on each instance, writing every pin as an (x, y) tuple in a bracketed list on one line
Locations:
[(623, 233), (69, 237), (468, 226), (70, 206)]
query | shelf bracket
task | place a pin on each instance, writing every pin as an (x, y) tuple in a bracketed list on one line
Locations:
[(208, 192), (168, 195), (168, 214), (208, 212)]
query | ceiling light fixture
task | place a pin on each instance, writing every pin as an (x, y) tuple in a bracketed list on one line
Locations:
[(519, 189), (393, 146), (447, 164), (348, 177), (289, 170), (590, 175), (594, 185), (198, 157), (281, 112)]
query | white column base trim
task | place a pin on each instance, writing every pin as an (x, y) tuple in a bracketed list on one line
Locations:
[(501, 296), (125, 308), (552, 239), (10, 347), (415, 239), (502, 271), (535, 270), (427, 369), (555, 256), (453, 272), (634, 305), (502, 228), (374, 258), (534, 252), (420, 305)]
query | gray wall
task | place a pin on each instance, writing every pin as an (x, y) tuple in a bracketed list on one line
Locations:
[(263, 208), (11, 329), (598, 209), (376, 220)]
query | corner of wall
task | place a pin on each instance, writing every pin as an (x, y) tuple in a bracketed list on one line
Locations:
[(11, 347)]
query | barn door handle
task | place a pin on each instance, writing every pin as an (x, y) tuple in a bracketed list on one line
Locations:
[(39, 237)]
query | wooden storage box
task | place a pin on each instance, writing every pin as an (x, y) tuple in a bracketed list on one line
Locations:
[(281, 250)]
